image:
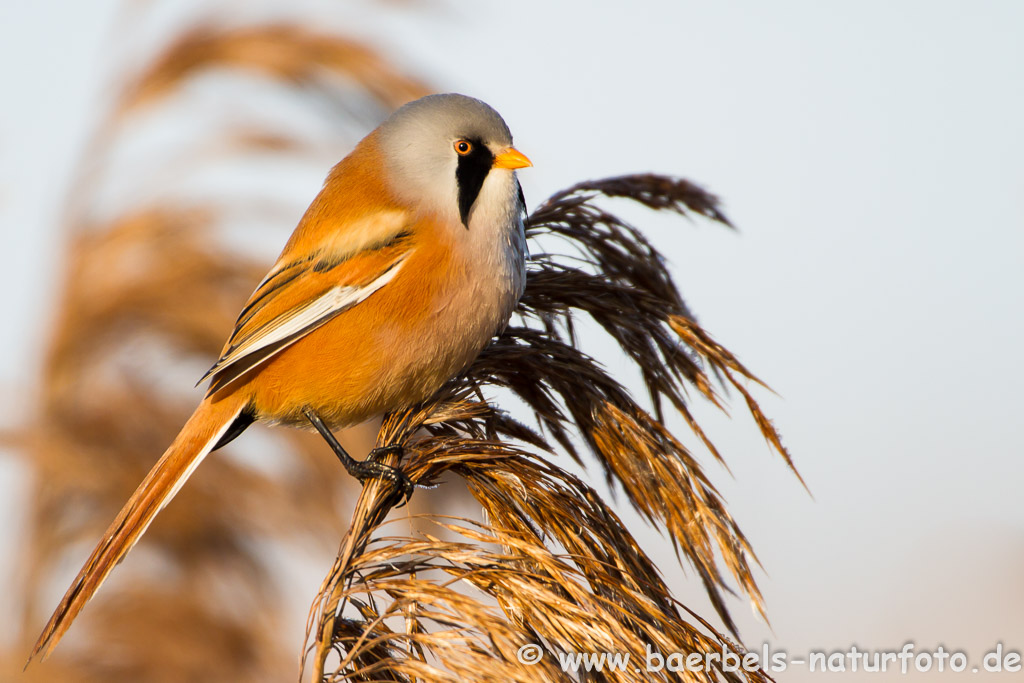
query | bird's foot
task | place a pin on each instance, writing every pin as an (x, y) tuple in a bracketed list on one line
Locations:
[(373, 468)]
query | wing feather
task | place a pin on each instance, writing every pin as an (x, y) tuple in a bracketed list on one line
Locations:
[(300, 296)]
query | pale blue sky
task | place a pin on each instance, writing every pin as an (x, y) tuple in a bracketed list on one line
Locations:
[(871, 155)]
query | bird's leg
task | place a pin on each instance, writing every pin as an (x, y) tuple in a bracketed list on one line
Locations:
[(371, 468)]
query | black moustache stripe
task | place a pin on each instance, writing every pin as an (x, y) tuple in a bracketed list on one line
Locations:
[(470, 174)]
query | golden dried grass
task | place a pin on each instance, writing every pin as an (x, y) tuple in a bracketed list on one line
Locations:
[(552, 565)]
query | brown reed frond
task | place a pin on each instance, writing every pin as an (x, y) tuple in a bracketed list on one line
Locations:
[(291, 53), (552, 565)]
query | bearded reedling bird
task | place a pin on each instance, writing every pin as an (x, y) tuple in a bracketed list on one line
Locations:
[(402, 269)]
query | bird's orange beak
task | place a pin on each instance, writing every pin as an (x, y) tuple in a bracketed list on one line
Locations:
[(511, 158)]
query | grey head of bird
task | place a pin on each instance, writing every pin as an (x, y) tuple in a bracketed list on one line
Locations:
[(452, 154)]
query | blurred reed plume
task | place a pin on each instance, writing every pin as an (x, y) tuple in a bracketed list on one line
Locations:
[(147, 298)]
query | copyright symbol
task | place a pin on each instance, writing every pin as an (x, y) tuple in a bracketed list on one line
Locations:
[(529, 654)]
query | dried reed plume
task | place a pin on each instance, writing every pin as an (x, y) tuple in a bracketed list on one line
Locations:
[(552, 566)]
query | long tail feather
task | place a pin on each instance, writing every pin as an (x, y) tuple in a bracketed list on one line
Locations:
[(208, 424)]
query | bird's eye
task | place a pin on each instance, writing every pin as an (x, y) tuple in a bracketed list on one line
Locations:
[(463, 147)]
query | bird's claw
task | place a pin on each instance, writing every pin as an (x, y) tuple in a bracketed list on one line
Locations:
[(373, 468)]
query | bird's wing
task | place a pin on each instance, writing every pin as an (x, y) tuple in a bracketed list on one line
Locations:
[(301, 294)]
